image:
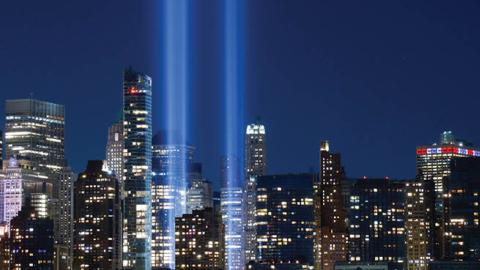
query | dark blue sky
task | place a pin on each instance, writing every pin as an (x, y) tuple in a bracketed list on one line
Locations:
[(376, 78)]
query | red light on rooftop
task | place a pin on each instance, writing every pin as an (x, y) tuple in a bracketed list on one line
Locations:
[(133, 90)]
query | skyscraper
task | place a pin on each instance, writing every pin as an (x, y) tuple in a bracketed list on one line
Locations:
[(137, 131), (64, 221), (232, 203), (197, 241), (285, 221), (199, 195), (10, 191), (1, 149), (34, 133), (114, 151), (462, 210), (31, 240), (170, 166), (255, 166), (330, 211), (97, 215), (433, 164), (377, 221), (419, 207)]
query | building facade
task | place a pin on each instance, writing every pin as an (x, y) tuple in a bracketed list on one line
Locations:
[(31, 243), (255, 166), (97, 216), (170, 167), (462, 210), (377, 221), (199, 195), (285, 221), (433, 164), (34, 134), (419, 213), (63, 223), (137, 131), (197, 241), (330, 211), (10, 191), (114, 150)]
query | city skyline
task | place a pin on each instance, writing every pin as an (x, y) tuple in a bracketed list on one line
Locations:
[(239, 135), (416, 64)]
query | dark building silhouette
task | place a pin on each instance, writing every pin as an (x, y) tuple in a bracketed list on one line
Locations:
[(198, 241), (330, 211), (31, 243), (285, 221), (377, 221), (97, 219), (462, 210)]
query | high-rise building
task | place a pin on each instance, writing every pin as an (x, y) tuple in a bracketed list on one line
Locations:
[(419, 206), (1, 149), (137, 131), (63, 224), (197, 241), (114, 151), (255, 166), (97, 219), (377, 221), (10, 191), (285, 221), (330, 211), (462, 210), (34, 134), (232, 219), (170, 167), (199, 195), (232, 211), (433, 164), (31, 243)]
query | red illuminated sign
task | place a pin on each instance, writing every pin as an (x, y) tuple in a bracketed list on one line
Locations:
[(447, 150)]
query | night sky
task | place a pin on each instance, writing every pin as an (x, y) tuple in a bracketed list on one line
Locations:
[(376, 78)]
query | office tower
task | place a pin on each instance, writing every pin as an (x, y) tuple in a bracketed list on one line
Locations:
[(4, 246), (137, 131), (10, 191), (31, 243), (34, 134), (255, 150), (114, 150), (1, 149), (418, 216), (255, 166), (232, 219), (64, 221), (377, 221), (462, 210), (199, 195), (433, 164), (330, 211), (231, 204), (97, 219), (170, 167), (197, 240), (285, 221)]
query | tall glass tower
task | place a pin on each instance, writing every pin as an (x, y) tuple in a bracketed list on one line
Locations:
[(170, 166), (137, 130)]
